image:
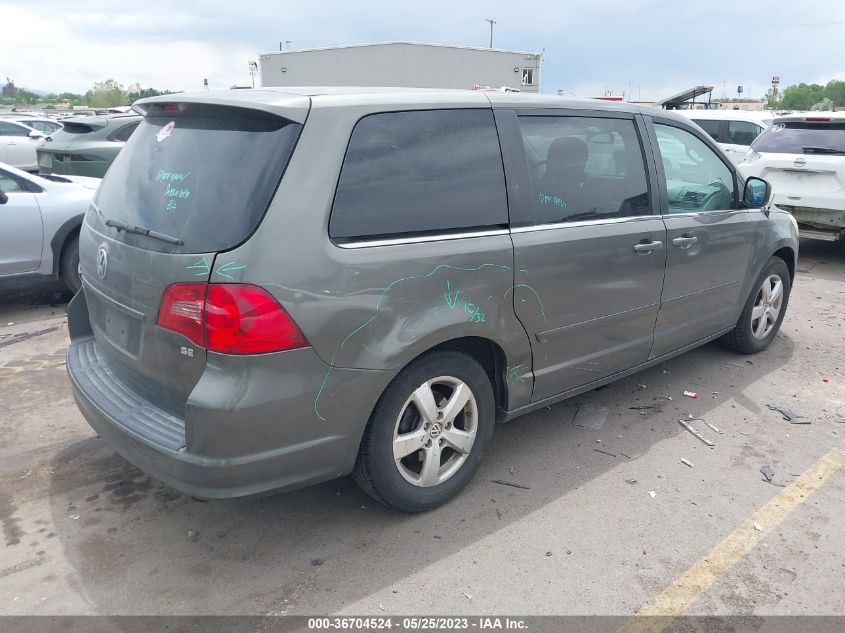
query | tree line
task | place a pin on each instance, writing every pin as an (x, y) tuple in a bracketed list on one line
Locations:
[(103, 94), (808, 97)]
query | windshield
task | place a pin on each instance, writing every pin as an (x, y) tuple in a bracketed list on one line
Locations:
[(800, 137), (204, 176)]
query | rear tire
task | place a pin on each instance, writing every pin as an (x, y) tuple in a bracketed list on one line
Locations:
[(764, 310), (437, 416), (69, 265)]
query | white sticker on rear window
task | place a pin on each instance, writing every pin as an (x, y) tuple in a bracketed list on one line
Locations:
[(166, 131)]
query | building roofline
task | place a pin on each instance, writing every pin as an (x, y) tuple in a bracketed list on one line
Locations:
[(394, 42)]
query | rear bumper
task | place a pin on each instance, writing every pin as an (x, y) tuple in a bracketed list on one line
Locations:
[(817, 221), (236, 452)]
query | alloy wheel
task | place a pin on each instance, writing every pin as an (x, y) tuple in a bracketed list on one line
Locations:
[(435, 431), (767, 306)]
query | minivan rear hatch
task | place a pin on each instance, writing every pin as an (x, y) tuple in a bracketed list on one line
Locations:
[(193, 180)]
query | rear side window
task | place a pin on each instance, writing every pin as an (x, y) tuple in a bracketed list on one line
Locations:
[(420, 172), (583, 168), (742, 132), (713, 128), (10, 129), (122, 134), (201, 174), (9, 183), (799, 137)]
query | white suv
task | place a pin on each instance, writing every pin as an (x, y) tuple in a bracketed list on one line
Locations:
[(733, 130), (803, 158)]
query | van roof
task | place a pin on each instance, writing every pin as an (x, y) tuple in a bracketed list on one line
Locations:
[(294, 102)]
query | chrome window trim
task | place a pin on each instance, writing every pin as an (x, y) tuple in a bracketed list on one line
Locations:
[(598, 222), (422, 239)]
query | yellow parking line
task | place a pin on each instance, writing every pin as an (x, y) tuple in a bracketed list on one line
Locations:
[(679, 596)]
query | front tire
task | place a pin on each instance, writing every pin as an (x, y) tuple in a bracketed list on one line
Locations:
[(69, 265), (764, 310), (426, 436)]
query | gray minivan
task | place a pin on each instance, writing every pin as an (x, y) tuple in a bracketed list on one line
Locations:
[(283, 286)]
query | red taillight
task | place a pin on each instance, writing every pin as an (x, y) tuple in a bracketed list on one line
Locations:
[(183, 310), (229, 318), (817, 119)]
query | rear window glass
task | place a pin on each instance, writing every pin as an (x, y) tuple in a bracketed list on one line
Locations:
[(420, 172), (802, 138), (206, 180)]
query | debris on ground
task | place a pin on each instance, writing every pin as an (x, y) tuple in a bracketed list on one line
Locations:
[(825, 379), (652, 494), (193, 535), (499, 513), (793, 416), (758, 527), (510, 483), (769, 476), (591, 417), (696, 432), (466, 595), (691, 394), (316, 562), (624, 455), (663, 397), (548, 553), (631, 481), (641, 386), (715, 430), (642, 407), (687, 462), (598, 450)]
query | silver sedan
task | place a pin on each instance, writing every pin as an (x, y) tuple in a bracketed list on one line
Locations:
[(41, 216)]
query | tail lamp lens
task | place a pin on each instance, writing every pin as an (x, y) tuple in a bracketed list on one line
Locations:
[(229, 318)]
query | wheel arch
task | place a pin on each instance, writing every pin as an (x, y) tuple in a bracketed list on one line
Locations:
[(787, 254), (63, 234), (490, 355)]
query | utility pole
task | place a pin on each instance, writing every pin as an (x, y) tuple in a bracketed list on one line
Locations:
[(253, 70), (492, 22)]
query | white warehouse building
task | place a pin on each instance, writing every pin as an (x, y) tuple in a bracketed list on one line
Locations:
[(402, 64)]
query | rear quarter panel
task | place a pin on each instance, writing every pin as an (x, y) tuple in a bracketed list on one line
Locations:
[(375, 308)]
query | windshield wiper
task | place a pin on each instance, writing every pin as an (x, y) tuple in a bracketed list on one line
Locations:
[(822, 150), (140, 230)]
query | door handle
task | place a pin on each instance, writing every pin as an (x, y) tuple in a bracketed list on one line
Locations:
[(685, 241), (644, 248)]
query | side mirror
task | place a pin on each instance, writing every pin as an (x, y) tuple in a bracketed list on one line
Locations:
[(3, 197), (757, 193), (35, 134)]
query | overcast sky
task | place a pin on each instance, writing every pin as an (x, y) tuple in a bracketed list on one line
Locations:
[(657, 47)]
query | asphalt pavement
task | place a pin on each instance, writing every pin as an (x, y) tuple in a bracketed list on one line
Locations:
[(627, 515)]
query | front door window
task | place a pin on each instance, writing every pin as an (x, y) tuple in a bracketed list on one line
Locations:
[(697, 179)]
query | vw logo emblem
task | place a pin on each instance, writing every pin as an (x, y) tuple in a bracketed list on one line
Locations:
[(436, 430), (799, 162), (102, 262)]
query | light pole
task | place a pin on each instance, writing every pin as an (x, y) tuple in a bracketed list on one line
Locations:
[(492, 22), (253, 70)]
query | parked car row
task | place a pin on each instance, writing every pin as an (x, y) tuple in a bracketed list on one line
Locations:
[(83, 146)]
